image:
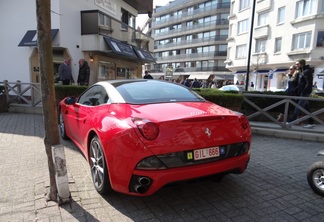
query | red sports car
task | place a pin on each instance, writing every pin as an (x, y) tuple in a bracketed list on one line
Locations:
[(140, 135)]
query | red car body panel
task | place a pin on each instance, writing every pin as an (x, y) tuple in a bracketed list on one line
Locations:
[(182, 127)]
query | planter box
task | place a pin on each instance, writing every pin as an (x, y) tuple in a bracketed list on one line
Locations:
[(3, 104)]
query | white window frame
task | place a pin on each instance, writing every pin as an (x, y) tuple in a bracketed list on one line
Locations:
[(244, 4), (260, 45), (305, 8), (301, 40), (281, 15), (240, 52), (243, 26), (278, 43), (263, 18)]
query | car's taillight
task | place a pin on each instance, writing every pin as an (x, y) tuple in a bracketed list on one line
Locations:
[(244, 122), (148, 129)]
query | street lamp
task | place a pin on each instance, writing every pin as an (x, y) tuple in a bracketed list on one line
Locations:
[(250, 46)]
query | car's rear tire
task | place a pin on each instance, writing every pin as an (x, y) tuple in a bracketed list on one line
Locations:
[(62, 126), (98, 167)]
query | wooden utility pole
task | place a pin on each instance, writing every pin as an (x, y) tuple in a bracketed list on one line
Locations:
[(45, 57)]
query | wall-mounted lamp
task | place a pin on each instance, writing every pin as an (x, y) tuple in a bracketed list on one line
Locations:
[(91, 59)]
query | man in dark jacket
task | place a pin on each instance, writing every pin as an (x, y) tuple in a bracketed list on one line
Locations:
[(304, 89), (147, 75), (65, 72), (84, 73)]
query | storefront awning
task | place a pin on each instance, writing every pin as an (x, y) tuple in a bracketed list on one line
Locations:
[(240, 72), (280, 70), (197, 76), (30, 38), (121, 48), (144, 55), (262, 71)]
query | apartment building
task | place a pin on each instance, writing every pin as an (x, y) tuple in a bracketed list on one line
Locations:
[(283, 32), (103, 32), (190, 40)]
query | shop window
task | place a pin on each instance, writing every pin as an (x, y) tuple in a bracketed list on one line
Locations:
[(107, 70)]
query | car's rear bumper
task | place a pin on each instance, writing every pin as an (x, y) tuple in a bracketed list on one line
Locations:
[(160, 178)]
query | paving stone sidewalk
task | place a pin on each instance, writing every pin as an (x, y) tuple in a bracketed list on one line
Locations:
[(273, 188)]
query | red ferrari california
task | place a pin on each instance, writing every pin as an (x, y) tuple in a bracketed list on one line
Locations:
[(140, 135)]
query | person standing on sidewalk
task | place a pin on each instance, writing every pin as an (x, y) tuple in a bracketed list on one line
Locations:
[(84, 73), (65, 72), (147, 75), (293, 77), (304, 89)]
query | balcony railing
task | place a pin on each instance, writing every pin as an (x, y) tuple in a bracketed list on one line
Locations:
[(197, 27), (197, 13), (191, 42), (192, 56)]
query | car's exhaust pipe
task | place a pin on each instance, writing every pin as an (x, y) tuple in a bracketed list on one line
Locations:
[(140, 184), (144, 181), (139, 189)]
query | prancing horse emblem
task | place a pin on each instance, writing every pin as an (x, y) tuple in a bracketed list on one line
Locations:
[(208, 132)]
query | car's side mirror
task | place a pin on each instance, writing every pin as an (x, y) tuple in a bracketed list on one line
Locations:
[(70, 100)]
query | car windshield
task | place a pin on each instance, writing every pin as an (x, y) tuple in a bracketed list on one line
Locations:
[(147, 92)]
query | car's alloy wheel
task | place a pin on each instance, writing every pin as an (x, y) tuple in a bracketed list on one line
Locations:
[(315, 177), (98, 167), (62, 126)]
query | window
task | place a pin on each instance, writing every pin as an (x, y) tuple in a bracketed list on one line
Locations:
[(263, 18), (107, 70), (230, 34), (243, 26), (94, 96), (278, 44), (222, 48), (155, 92), (260, 45), (320, 39), (232, 7), (281, 15), (301, 40), (305, 7), (322, 6), (127, 19), (104, 20), (240, 52), (223, 32), (244, 4)]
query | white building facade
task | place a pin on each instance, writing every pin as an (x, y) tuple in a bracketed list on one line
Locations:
[(190, 39), (103, 32), (283, 33)]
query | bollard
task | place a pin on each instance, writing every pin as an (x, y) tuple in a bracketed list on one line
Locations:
[(61, 176)]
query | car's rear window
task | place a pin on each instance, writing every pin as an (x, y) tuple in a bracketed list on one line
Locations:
[(156, 92)]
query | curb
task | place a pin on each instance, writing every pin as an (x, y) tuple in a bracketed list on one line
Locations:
[(289, 134)]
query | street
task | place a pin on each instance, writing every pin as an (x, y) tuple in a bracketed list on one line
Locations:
[(273, 188)]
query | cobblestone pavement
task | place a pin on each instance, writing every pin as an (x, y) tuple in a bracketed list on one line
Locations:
[(273, 188)]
